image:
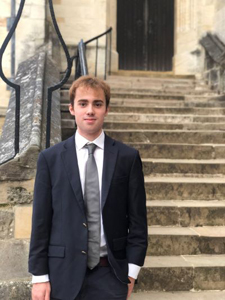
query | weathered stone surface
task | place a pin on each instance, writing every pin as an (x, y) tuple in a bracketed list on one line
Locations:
[(184, 241), (212, 278), (13, 259), (184, 167), (199, 216), (165, 279), (181, 189), (30, 76), (15, 289), (167, 136), (6, 223), (182, 273), (190, 295), (179, 151), (186, 213), (163, 216), (160, 118), (167, 110), (2, 120), (16, 192), (23, 217)]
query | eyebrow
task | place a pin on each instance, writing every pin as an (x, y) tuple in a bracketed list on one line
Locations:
[(86, 100)]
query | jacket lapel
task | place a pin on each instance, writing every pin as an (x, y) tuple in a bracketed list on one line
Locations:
[(69, 157), (109, 162)]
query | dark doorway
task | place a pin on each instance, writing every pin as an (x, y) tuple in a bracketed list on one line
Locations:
[(145, 34)]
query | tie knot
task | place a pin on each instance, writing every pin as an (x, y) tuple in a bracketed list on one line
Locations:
[(91, 148)]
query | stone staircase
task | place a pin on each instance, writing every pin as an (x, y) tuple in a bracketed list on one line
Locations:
[(178, 125)]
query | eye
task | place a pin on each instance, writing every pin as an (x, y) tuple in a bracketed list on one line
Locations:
[(98, 104), (82, 104)]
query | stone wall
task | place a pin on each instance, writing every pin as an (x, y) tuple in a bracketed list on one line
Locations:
[(30, 34), (219, 21), (2, 118), (193, 19), (17, 175)]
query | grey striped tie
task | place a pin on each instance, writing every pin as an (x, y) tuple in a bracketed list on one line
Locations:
[(92, 200)]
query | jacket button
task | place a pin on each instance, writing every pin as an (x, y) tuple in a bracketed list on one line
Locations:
[(84, 224), (83, 252)]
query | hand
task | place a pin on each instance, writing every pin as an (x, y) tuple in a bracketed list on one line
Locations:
[(41, 291), (130, 286)]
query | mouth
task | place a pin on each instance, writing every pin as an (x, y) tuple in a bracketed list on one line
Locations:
[(90, 120)]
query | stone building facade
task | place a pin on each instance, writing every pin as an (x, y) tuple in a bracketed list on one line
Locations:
[(85, 19), (192, 20)]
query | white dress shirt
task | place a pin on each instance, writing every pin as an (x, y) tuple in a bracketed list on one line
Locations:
[(82, 156)]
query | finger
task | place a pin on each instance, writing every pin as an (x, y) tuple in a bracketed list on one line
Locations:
[(47, 295)]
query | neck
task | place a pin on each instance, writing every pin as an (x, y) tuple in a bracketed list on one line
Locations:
[(90, 137)]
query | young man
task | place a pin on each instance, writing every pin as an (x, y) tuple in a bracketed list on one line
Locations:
[(89, 228)]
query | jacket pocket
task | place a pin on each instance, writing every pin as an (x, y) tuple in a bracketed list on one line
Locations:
[(120, 243), (56, 251)]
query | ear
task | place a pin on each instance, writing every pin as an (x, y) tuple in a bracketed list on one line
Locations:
[(71, 109), (107, 110)]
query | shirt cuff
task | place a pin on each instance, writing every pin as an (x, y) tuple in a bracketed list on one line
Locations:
[(40, 278), (133, 270)]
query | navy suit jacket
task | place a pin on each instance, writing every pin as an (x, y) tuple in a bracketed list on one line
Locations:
[(59, 236)]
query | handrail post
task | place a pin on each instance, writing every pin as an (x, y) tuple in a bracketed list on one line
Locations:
[(106, 50), (82, 56), (110, 53), (96, 58)]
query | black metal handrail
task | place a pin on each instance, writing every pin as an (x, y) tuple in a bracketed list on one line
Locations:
[(82, 49), (16, 87), (63, 81)]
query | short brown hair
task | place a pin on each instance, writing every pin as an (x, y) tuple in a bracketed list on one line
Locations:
[(92, 82)]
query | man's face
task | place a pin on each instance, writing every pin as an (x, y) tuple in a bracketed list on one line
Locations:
[(89, 110)]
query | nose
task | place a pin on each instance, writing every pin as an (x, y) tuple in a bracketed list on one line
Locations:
[(90, 110)]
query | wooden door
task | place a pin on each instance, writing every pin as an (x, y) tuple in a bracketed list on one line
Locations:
[(145, 34)]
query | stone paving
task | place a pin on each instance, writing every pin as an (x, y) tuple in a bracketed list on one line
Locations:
[(209, 295)]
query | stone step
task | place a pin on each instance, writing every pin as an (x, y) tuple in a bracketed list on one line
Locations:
[(168, 110), (166, 103), (147, 80), (161, 110), (186, 167), (184, 188), (159, 103), (153, 87), (182, 273), (169, 151), (145, 92), (188, 213), (138, 76), (191, 295), (186, 240), (162, 96), (168, 136), (162, 86), (159, 118), (15, 289), (68, 124), (180, 151), (152, 126)]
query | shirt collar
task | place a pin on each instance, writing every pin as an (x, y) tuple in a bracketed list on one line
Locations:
[(81, 141)]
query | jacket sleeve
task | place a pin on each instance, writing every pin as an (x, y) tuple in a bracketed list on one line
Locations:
[(137, 240), (41, 220)]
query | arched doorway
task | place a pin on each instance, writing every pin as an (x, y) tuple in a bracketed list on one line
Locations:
[(145, 34)]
